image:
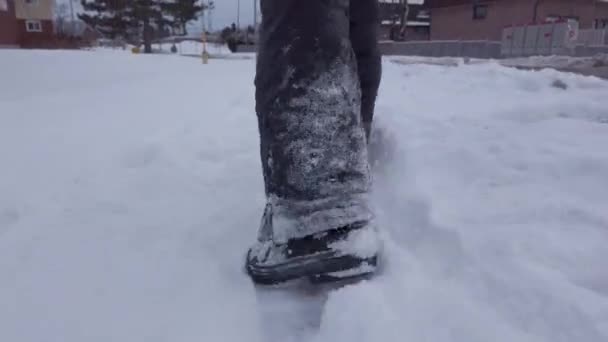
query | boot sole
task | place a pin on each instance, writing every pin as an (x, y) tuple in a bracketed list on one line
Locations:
[(318, 268)]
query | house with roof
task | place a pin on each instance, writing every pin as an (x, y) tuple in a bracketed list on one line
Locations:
[(485, 19), (26, 23)]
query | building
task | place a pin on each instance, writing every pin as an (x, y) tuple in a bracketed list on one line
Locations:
[(484, 20), (9, 36), (417, 23), (26, 23)]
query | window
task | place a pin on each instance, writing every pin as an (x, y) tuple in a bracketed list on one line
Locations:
[(3, 5), (480, 12), (33, 26)]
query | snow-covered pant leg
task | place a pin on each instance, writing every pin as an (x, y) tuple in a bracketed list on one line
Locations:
[(364, 23), (308, 102)]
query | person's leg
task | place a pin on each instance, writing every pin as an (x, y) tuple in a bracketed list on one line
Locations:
[(313, 146), (364, 22)]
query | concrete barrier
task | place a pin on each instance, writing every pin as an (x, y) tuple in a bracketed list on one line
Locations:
[(472, 49), (585, 51), (541, 40), (592, 37)]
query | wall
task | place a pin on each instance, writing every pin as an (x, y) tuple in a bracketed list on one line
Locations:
[(44, 39), (456, 22), (8, 26), (412, 32), (584, 51), (585, 10), (39, 9)]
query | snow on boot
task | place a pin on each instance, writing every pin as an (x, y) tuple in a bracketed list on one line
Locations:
[(343, 253)]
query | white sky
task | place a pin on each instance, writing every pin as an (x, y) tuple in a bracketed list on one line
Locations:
[(225, 12)]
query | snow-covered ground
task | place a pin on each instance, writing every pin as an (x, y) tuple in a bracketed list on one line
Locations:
[(195, 49), (130, 188)]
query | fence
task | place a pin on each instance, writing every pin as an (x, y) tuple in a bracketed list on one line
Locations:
[(556, 38), (472, 49), (592, 37)]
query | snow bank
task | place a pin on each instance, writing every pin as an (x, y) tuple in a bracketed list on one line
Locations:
[(130, 189), (558, 62), (585, 65)]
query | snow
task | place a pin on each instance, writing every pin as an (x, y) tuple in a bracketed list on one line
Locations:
[(130, 189), (591, 65), (364, 243), (558, 61)]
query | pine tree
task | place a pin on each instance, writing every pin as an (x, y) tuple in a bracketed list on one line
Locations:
[(107, 16), (138, 20), (182, 12), (146, 14)]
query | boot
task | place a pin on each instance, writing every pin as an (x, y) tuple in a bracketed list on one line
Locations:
[(343, 253)]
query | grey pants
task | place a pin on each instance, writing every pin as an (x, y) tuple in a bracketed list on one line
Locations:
[(318, 71)]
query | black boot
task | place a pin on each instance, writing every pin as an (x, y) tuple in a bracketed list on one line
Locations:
[(343, 253)]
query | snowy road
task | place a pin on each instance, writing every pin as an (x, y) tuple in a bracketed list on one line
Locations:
[(130, 188)]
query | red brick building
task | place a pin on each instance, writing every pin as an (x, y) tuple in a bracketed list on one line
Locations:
[(26, 23), (417, 21), (484, 20), (9, 35)]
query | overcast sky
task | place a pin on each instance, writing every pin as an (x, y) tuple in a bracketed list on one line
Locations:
[(226, 10), (224, 14)]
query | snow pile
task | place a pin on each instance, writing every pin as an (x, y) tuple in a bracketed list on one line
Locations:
[(364, 243), (445, 61), (586, 65), (130, 189), (557, 62)]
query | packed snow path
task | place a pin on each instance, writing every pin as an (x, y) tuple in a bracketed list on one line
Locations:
[(130, 188)]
